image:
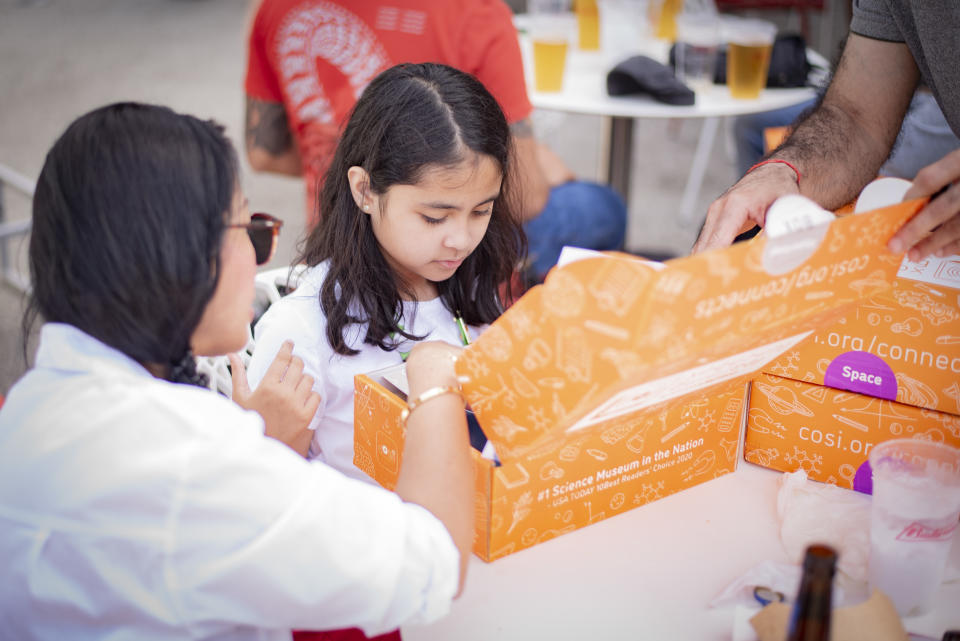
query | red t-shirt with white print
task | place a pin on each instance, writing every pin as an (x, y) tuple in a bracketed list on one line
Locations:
[(316, 57)]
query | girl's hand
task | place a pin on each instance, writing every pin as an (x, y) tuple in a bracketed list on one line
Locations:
[(285, 398), (431, 364)]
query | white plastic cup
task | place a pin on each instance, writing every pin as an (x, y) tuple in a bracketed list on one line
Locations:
[(552, 27), (698, 38), (749, 46), (916, 504)]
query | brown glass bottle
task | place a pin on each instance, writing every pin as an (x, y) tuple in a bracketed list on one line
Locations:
[(810, 618)]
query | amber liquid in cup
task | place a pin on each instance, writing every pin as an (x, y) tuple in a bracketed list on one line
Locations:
[(549, 59), (588, 24), (747, 66), (666, 19)]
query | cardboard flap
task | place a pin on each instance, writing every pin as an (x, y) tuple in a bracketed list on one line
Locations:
[(599, 329)]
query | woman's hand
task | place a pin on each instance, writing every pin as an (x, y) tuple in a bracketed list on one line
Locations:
[(431, 364), (285, 398)]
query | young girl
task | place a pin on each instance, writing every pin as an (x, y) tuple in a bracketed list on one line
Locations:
[(415, 240), (135, 503)]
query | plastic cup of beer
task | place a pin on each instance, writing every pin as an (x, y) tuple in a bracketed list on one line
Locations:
[(749, 45), (588, 24), (551, 28), (916, 504), (698, 38)]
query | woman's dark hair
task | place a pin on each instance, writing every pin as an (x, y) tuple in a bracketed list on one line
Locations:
[(410, 119), (128, 216)]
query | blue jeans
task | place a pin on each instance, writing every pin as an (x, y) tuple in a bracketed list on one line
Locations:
[(580, 214), (748, 132)]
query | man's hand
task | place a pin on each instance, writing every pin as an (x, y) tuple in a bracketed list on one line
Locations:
[(745, 205), (285, 398), (936, 229)]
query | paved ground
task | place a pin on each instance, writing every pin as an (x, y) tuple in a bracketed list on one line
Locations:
[(60, 58)]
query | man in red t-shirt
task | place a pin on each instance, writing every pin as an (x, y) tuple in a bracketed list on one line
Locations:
[(309, 61)]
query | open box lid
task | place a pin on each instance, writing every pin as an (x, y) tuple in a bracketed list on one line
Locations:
[(609, 335)]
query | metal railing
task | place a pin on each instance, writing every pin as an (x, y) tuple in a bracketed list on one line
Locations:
[(10, 230)]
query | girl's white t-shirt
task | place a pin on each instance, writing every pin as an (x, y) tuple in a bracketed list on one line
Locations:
[(298, 317)]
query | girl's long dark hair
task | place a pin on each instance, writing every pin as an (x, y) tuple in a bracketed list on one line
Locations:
[(411, 118), (128, 217)]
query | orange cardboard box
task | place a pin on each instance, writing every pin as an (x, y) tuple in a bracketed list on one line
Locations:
[(829, 433), (569, 483), (902, 344), (618, 381)]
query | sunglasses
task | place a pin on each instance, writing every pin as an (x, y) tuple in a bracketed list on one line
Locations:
[(263, 230)]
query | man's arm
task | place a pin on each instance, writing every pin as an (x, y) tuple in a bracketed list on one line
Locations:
[(268, 139), (838, 148)]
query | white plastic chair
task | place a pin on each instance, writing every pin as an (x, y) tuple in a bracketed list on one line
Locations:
[(271, 285)]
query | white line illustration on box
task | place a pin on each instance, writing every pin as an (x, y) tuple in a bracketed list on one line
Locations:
[(847, 471), (521, 509), (529, 537), (522, 478), (496, 343), (935, 311), (537, 418), (877, 409), (675, 431), (522, 323), (701, 465), (782, 400), (915, 392), (948, 340), (719, 265), (731, 412), (910, 327), (792, 363), (599, 455), (762, 423), (802, 459), (569, 452), (616, 287), (487, 396), (613, 331), (591, 517), (635, 443), (563, 295), (617, 501), (954, 392), (817, 394), (729, 448), (648, 493), (707, 420), (761, 455), (874, 281), (550, 470), (573, 356), (538, 354)]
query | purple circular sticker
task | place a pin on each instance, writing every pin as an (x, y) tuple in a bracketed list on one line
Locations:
[(863, 373), (863, 479)]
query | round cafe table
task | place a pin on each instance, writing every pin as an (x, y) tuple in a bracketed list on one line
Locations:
[(585, 92), (649, 573)]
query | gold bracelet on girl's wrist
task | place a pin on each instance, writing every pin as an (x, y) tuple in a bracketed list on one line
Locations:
[(429, 394)]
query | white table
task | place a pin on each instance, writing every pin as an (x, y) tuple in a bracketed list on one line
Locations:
[(645, 574), (585, 92)]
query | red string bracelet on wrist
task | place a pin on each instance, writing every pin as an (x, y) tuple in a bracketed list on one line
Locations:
[(777, 160)]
